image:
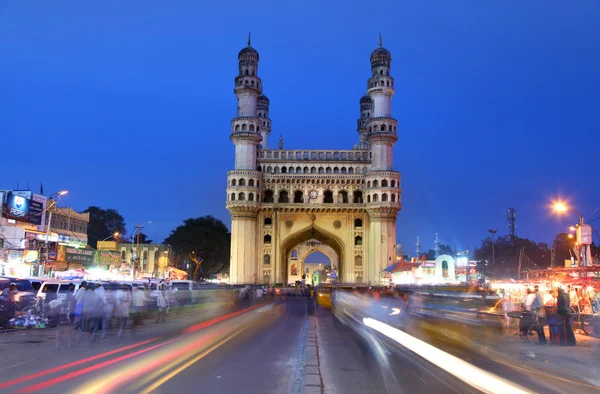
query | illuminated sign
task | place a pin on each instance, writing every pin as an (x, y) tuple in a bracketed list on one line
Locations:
[(74, 255), (16, 207)]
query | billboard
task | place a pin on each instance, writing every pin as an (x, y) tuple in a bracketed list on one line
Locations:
[(74, 255), (108, 257), (16, 207)]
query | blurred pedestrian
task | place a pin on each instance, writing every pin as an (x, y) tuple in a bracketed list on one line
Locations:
[(139, 302), (90, 309), (567, 336), (162, 304), (123, 302), (8, 299), (78, 312)]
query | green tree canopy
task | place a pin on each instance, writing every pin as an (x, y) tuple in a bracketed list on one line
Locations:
[(206, 238), (103, 224)]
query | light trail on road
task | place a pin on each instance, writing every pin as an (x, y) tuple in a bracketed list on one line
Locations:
[(468, 373)]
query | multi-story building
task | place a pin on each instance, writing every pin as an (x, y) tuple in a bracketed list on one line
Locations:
[(342, 203)]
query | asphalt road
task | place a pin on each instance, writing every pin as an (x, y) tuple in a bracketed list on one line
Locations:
[(256, 348)]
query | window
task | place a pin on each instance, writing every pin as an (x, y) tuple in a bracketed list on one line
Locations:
[(305, 170), (321, 170), (328, 170), (241, 196), (375, 197), (343, 197), (291, 170), (283, 170), (233, 182), (250, 196), (267, 259), (259, 168), (313, 170), (358, 240), (268, 221), (242, 182), (246, 72), (445, 269), (382, 127), (251, 182), (145, 255), (343, 170), (393, 183), (283, 197), (328, 197), (298, 196), (384, 197), (270, 169), (268, 196), (251, 127), (350, 170), (294, 254), (375, 183), (369, 198), (123, 253), (298, 170), (358, 197), (336, 170), (368, 184), (294, 270), (232, 196), (266, 279), (237, 127), (244, 127), (267, 239), (358, 222), (393, 198), (358, 261), (257, 183)]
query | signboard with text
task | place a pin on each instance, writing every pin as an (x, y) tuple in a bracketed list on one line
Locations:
[(108, 257), (16, 207), (74, 255)]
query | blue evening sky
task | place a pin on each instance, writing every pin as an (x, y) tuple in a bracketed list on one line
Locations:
[(127, 104)]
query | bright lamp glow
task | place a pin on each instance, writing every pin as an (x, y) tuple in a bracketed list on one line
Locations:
[(63, 192), (560, 207)]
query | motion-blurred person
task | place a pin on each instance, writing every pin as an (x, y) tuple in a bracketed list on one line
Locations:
[(528, 300), (538, 308), (78, 321), (162, 304), (123, 302), (90, 308), (139, 302), (567, 336), (71, 303), (8, 299)]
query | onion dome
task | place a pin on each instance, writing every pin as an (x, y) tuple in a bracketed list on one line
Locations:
[(264, 100), (248, 51), (361, 145), (381, 55), (366, 101)]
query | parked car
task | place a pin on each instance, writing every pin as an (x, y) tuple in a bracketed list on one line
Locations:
[(186, 291)]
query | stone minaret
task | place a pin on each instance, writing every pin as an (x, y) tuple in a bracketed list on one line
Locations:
[(383, 194), (243, 183), (418, 247), (265, 126), (436, 245)]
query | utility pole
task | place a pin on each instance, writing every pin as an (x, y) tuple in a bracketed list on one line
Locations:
[(136, 260), (493, 232)]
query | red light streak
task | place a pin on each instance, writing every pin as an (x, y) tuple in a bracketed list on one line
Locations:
[(219, 319), (59, 379), (72, 364)]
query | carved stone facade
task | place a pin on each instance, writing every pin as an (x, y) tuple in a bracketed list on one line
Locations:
[(279, 199)]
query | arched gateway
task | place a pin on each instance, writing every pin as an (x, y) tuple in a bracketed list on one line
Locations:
[(342, 202)]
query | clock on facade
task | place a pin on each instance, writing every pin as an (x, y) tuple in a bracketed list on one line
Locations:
[(313, 194)]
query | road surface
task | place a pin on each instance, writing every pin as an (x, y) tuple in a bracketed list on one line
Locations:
[(280, 346)]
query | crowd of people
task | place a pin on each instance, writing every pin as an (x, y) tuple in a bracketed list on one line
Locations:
[(92, 308)]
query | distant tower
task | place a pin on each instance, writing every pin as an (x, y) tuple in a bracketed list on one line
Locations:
[(366, 110), (436, 245), (418, 247), (511, 218), (280, 142), (399, 250)]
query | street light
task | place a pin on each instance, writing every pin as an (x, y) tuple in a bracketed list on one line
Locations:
[(116, 235)]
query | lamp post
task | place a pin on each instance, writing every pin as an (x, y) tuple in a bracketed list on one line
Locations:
[(583, 232), (58, 195), (493, 232), (116, 235), (136, 236)]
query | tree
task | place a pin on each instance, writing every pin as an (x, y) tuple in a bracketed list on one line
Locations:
[(563, 247), (507, 251), (103, 224), (205, 241)]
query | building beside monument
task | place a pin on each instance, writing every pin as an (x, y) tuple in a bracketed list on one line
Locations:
[(286, 204)]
